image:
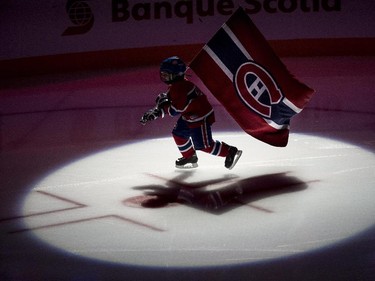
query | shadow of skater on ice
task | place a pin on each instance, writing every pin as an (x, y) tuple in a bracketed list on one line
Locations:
[(232, 193)]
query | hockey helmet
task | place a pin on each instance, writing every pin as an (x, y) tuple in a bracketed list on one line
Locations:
[(172, 69)]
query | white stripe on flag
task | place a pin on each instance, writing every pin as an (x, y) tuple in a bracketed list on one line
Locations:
[(275, 125), (219, 62), (289, 104), (236, 41)]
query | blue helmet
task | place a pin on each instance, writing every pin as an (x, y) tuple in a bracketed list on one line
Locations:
[(172, 69)]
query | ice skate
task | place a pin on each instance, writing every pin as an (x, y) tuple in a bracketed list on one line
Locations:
[(232, 157), (187, 163)]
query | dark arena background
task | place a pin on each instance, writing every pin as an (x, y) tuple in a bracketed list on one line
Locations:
[(88, 193)]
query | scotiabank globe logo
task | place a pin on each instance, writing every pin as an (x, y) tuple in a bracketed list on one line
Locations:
[(80, 15)]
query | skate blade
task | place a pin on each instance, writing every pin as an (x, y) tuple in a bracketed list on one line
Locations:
[(187, 166), (236, 158)]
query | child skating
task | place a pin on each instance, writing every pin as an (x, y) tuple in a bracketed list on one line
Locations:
[(192, 131)]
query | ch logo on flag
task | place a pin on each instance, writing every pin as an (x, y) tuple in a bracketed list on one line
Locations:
[(257, 89), (242, 71)]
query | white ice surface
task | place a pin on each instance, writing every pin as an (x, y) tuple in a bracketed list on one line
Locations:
[(313, 193)]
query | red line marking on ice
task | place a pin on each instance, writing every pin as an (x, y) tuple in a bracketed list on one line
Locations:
[(77, 206), (86, 220), (179, 184), (61, 198), (259, 208)]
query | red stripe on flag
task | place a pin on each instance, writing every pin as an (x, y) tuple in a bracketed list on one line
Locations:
[(222, 88), (256, 84), (259, 49)]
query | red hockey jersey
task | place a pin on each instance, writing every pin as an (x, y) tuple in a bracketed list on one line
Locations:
[(188, 100)]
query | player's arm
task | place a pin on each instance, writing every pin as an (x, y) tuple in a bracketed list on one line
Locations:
[(162, 105)]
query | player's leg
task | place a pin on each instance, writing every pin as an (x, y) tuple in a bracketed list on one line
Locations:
[(181, 136), (202, 139)]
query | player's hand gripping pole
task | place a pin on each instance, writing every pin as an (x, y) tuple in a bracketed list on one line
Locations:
[(150, 115), (162, 101)]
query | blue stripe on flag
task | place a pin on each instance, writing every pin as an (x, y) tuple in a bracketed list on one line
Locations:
[(281, 114), (227, 51)]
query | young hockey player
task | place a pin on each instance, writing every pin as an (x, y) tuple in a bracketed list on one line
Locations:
[(193, 128)]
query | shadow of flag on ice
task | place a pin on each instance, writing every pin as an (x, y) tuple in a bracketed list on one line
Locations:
[(242, 71)]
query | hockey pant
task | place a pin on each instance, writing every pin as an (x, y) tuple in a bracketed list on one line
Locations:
[(188, 140)]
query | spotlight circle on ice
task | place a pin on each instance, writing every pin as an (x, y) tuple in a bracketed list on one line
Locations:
[(122, 206)]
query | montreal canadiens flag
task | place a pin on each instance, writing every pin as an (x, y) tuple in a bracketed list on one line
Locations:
[(242, 71)]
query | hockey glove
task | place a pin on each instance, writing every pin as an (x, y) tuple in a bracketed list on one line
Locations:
[(150, 115), (162, 100)]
